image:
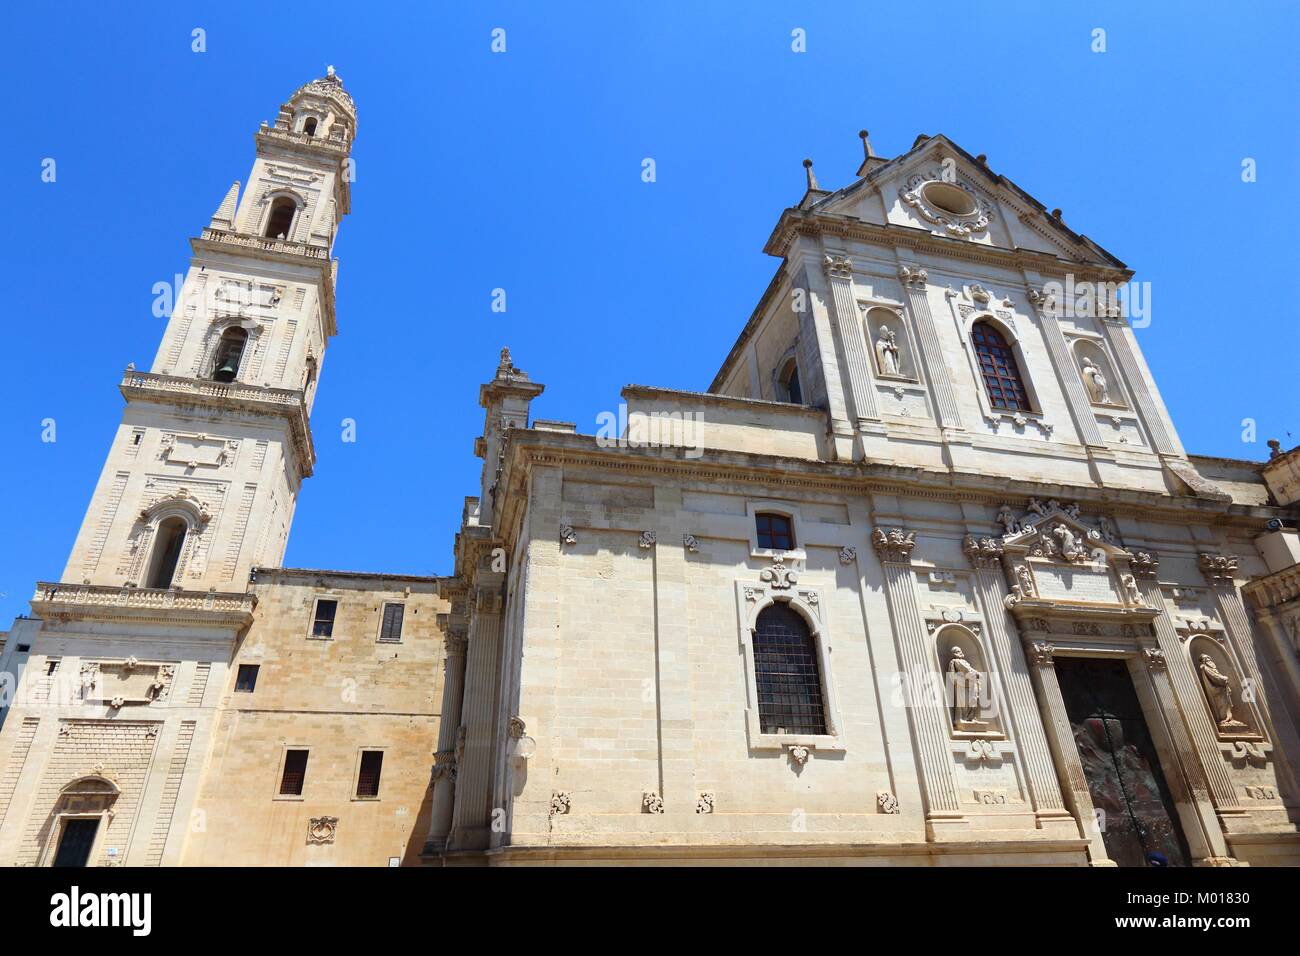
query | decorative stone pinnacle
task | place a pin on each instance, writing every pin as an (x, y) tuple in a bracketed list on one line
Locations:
[(867, 151), (812, 178)]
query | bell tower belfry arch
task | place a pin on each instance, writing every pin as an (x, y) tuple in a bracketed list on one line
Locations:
[(221, 417)]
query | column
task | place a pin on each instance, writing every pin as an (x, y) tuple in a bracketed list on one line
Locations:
[(930, 719), (471, 812), (936, 369), (1220, 572), (444, 761), (1067, 370), (1060, 737), (1025, 724), (1121, 342), (848, 328), (1210, 842), (1204, 739)]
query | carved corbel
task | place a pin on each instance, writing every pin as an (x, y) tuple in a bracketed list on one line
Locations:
[(1040, 653)]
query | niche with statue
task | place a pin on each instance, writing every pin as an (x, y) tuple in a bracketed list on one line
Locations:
[(891, 349), (968, 685), (1227, 696)]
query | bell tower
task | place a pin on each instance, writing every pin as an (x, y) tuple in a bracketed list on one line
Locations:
[(203, 475)]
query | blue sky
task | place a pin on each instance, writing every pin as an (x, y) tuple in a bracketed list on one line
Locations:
[(522, 171)]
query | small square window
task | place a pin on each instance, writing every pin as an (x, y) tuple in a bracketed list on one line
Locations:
[(372, 764), (51, 665), (294, 774), (391, 628), (246, 678), (774, 531), (323, 622)]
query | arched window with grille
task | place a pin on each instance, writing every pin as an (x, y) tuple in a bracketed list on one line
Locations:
[(786, 673), (997, 359)]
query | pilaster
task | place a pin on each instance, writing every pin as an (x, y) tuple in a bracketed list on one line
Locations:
[(861, 391), (915, 282), (929, 714), (1025, 723)]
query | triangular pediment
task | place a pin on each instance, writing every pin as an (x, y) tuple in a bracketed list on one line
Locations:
[(938, 187)]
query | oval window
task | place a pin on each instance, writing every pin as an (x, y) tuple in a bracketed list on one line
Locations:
[(949, 198)]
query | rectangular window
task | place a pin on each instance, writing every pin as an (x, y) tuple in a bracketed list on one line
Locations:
[(246, 679), (372, 763), (52, 665), (391, 629), (295, 772), (323, 623), (774, 531)]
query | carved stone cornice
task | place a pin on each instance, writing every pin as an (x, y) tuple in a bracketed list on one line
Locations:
[(838, 267), (257, 400), (1219, 569), (894, 544), (984, 553), (93, 602)]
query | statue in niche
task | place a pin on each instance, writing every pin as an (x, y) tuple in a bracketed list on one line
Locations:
[(1095, 381), (1218, 691), (965, 682), (887, 352)]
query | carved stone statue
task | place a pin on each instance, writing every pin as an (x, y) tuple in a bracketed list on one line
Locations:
[(887, 352), (964, 680), (1218, 691), (1095, 381), (1070, 549), (1008, 520)]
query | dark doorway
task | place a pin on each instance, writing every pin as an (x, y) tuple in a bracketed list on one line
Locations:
[(76, 842), (1120, 763)]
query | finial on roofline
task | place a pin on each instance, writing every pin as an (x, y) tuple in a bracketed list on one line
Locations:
[(867, 151), (812, 177)]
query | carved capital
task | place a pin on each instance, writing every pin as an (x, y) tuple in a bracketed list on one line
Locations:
[(1155, 658), (983, 553), (913, 278), (1219, 569), (894, 544), (838, 267), (1040, 653), (1145, 564)]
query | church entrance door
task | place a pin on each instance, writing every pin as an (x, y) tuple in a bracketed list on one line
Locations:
[(1136, 814)]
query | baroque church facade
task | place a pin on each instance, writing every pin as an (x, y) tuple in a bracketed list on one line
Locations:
[(924, 577)]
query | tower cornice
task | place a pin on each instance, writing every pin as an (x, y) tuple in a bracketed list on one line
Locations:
[(227, 242), (286, 403)]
